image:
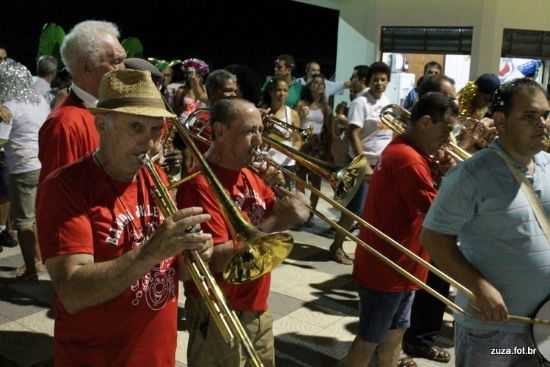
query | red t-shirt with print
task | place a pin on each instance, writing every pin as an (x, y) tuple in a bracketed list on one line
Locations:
[(400, 193), (255, 199), (82, 210), (68, 134)]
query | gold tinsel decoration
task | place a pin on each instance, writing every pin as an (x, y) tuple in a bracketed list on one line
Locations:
[(467, 95)]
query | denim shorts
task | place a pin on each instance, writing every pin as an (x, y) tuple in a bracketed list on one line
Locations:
[(493, 348), (383, 311)]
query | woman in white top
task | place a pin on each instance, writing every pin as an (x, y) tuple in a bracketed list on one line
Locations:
[(29, 110), (315, 114), (276, 95)]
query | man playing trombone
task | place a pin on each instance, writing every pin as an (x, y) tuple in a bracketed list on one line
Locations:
[(112, 258), (496, 204), (400, 193), (237, 135)]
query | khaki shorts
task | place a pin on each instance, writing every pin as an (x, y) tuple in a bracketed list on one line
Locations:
[(207, 348), (22, 195)]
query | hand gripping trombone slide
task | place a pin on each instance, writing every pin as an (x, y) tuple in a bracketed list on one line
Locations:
[(225, 319)]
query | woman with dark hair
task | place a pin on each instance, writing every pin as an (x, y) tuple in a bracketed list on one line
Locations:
[(315, 113), (275, 97)]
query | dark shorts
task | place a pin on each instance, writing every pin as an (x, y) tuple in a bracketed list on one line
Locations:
[(383, 311)]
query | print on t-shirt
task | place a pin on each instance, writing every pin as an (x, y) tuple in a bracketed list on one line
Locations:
[(159, 285)]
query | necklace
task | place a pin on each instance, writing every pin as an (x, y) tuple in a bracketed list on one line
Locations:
[(135, 235)]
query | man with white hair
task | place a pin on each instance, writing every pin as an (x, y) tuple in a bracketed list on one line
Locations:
[(89, 50), (46, 71)]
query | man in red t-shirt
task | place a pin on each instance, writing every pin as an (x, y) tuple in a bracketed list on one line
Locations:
[(89, 50), (400, 193), (237, 130), (113, 259)]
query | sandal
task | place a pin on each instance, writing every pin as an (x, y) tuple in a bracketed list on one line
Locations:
[(430, 352), (406, 362)]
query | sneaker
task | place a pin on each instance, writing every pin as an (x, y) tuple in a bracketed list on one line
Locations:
[(7, 240)]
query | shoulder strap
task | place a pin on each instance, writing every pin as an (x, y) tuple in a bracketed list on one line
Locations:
[(528, 190)]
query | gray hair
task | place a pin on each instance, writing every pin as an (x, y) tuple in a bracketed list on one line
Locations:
[(84, 42), (46, 65), (217, 80)]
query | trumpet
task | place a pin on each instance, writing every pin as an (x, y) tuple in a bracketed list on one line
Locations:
[(396, 117), (225, 319), (284, 130)]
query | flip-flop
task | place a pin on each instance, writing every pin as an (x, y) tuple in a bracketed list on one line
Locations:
[(406, 362)]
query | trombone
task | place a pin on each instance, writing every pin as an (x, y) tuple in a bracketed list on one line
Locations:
[(344, 181), (283, 129), (398, 246), (396, 117), (260, 252), (389, 240), (225, 319)]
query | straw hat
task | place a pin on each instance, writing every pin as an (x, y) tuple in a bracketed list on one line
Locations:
[(132, 92)]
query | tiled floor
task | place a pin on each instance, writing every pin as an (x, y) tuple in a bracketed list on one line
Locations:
[(312, 299)]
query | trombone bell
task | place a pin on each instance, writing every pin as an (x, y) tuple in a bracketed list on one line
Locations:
[(349, 179), (258, 258)]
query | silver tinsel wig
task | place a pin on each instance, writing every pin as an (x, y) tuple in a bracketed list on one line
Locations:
[(16, 83)]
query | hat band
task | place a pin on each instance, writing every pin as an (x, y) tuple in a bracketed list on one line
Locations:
[(131, 102)]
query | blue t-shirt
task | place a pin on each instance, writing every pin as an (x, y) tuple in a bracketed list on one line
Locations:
[(481, 203)]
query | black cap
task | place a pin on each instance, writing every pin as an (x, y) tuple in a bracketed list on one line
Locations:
[(144, 65), (487, 83)]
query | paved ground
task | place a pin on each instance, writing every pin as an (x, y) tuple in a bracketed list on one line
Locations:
[(312, 298)]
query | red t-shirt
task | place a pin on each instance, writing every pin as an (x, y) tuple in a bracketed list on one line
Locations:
[(68, 134), (82, 210), (400, 193), (255, 199)]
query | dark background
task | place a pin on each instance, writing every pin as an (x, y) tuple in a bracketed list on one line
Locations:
[(219, 32)]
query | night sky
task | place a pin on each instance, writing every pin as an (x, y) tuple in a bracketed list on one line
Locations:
[(219, 32)]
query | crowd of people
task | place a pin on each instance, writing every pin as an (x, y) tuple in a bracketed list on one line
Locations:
[(74, 187)]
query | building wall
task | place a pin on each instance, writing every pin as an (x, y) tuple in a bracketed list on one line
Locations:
[(361, 20)]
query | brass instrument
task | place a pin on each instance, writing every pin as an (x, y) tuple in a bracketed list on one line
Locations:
[(392, 242), (225, 319), (396, 117), (285, 130), (261, 251), (344, 181), (398, 246)]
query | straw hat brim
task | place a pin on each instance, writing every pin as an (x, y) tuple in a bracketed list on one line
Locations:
[(138, 111)]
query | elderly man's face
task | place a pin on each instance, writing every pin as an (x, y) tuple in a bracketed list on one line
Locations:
[(3, 55), (126, 138), (112, 56)]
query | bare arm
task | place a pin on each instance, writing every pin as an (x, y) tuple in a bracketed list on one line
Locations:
[(81, 283), (296, 139), (355, 139), (445, 253)]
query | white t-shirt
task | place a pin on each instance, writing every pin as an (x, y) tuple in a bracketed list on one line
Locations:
[(22, 146), (275, 155), (364, 112)]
